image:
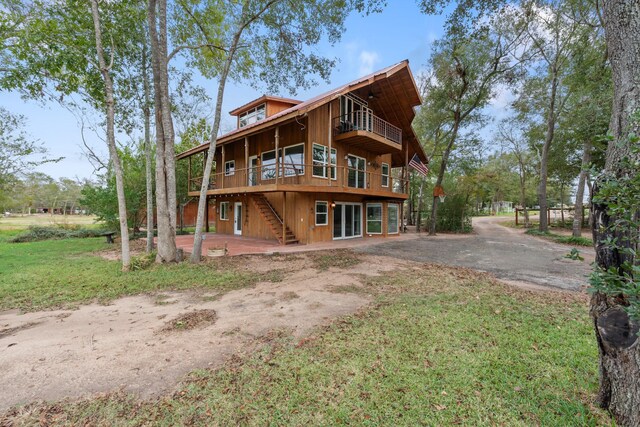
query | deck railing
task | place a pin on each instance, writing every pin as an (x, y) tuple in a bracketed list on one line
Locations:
[(317, 175), (365, 120)]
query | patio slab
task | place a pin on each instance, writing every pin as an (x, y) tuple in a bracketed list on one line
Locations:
[(238, 245)]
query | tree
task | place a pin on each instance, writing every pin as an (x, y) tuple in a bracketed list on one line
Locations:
[(18, 153), (554, 33), (102, 198), (513, 139), (464, 73), (615, 307)]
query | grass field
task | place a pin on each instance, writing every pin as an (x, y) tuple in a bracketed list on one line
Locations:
[(436, 347), (65, 273), (21, 222)]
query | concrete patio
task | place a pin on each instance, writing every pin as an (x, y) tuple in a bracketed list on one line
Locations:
[(238, 245)]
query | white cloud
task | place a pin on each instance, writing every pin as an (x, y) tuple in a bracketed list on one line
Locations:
[(368, 61)]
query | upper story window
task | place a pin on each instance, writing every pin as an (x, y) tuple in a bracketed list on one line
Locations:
[(253, 115), (385, 174), (230, 168)]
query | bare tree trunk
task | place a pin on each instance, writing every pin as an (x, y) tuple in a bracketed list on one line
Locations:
[(562, 204), (196, 254), (551, 124), (578, 212), (111, 139), (616, 333), (165, 149), (147, 150)]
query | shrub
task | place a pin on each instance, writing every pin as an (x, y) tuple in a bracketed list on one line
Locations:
[(38, 233), (454, 215)]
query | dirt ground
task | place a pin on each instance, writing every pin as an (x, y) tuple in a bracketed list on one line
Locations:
[(146, 344)]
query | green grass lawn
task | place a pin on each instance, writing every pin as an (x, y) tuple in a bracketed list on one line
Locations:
[(438, 347), (65, 273)]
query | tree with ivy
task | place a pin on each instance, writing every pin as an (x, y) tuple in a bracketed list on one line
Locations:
[(615, 303)]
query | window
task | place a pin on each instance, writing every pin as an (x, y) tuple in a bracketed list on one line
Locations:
[(224, 211), (392, 218), (374, 218), (251, 116), (322, 213), (294, 160), (357, 169), (385, 175), (269, 165), (321, 161), (230, 168)]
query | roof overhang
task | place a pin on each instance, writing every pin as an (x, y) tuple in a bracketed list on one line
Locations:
[(397, 105)]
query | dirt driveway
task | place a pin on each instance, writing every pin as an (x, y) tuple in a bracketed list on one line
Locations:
[(507, 253), (144, 344)]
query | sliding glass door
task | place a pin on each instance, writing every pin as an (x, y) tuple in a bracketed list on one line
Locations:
[(347, 220)]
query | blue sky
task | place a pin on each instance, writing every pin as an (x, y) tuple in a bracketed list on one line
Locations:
[(369, 43)]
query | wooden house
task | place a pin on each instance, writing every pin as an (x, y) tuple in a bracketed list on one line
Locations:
[(332, 167)]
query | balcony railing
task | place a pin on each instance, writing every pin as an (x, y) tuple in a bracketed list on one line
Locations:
[(367, 121), (316, 175)]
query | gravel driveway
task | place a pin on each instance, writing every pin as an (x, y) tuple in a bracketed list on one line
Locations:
[(505, 252)]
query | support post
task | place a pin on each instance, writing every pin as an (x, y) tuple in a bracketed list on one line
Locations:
[(516, 216), (206, 214), (277, 165), (548, 215), (284, 217), (246, 160), (222, 171), (189, 176), (330, 137)]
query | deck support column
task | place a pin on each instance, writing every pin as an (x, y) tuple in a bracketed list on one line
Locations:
[(222, 171), (329, 136), (284, 217), (206, 214), (246, 160), (277, 165)]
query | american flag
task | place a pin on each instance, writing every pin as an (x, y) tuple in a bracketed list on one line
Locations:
[(417, 164)]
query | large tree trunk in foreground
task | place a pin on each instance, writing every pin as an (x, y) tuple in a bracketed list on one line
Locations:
[(578, 212), (616, 333), (165, 150), (111, 138)]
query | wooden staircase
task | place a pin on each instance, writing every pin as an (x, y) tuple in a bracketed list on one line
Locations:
[(272, 218)]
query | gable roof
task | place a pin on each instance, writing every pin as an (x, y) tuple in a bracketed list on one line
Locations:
[(395, 80), (261, 100)]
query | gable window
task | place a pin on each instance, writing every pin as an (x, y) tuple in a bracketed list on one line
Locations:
[(230, 168), (392, 218), (321, 161), (294, 160), (322, 213), (224, 211), (385, 175), (374, 218), (251, 116)]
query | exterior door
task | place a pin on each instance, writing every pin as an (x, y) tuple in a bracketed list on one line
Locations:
[(253, 171), (347, 221), (357, 169), (237, 218)]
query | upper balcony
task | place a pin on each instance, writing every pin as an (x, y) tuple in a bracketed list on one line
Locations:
[(365, 130)]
